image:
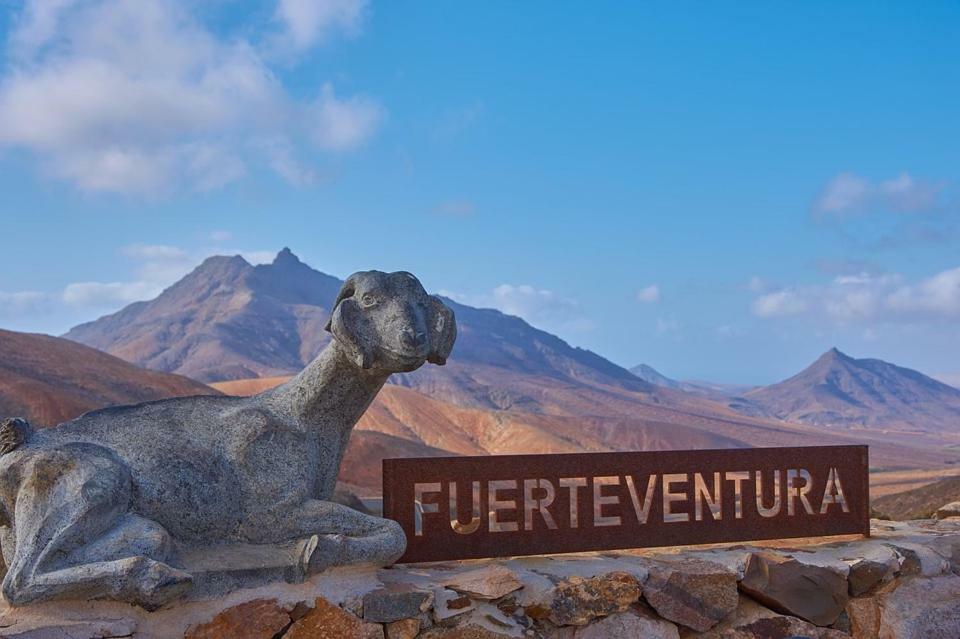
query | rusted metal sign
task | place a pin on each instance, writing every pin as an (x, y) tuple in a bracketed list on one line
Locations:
[(505, 505)]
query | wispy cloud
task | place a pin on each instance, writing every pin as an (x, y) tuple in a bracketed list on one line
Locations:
[(153, 267), (140, 97), (21, 303), (848, 194), (309, 22), (649, 294), (455, 208), (454, 121), (542, 308), (868, 297), (669, 327)]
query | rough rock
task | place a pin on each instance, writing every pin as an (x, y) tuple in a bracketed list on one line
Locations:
[(403, 629), (877, 566), (448, 604), (864, 614), (867, 573), (576, 601), (813, 593), (917, 559), (489, 582), (695, 593), (394, 603), (948, 510), (753, 621), (258, 619), (921, 609), (634, 623), (327, 621), (478, 626), (93, 629)]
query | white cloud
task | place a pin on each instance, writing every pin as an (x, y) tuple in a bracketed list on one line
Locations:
[(24, 303), (669, 326), (778, 304), (540, 307), (282, 159), (848, 194), (139, 97), (757, 284), (309, 22), (156, 266), (868, 298), (938, 296), (256, 257), (108, 294), (38, 25), (649, 294), (154, 251), (344, 124)]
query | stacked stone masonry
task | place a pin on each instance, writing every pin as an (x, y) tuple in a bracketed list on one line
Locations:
[(901, 583)]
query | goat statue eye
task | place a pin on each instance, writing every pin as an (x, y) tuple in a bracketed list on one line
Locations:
[(368, 300)]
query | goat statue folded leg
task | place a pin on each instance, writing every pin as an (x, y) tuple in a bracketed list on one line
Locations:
[(75, 537)]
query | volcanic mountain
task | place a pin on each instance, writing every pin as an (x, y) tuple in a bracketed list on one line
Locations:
[(224, 320), (49, 380), (228, 320), (838, 390)]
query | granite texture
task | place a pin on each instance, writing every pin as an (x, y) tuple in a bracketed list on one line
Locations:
[(147, 503)]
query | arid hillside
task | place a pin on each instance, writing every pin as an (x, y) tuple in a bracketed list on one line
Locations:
[(50, 380), (842, 392), (919, 503)]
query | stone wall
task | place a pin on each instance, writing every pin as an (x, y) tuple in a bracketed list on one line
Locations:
[(903, 583)]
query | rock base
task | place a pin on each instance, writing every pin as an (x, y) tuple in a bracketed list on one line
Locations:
[(901, 583)]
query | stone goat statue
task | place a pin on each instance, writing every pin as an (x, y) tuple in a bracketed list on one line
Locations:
[(109, 504)]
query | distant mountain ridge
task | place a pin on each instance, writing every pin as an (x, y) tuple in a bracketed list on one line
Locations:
[(506, 387), (839, 390), (49, 380), (705, 389), (228, 320)]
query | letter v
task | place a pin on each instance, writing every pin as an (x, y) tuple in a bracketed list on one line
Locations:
[(644, 512)]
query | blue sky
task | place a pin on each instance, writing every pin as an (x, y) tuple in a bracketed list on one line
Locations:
[(720, 190)]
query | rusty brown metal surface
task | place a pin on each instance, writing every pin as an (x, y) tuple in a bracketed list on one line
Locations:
[(509, 505)]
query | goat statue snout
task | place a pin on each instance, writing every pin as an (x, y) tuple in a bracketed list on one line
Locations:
[(414, 340)]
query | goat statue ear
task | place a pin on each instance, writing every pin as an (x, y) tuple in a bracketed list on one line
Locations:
[(347, 325), (443, 331)]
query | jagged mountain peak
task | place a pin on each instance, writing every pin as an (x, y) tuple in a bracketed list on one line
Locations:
[(230, 320), (834, 355)]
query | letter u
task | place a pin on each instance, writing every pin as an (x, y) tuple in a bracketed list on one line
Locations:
[(465, 529)]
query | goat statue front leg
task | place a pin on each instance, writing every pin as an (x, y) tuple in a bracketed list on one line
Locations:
[(345, 536)]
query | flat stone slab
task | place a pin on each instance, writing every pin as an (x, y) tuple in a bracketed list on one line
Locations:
[(811, 592)]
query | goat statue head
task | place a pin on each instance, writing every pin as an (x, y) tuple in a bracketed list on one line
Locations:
[(388, 322)]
